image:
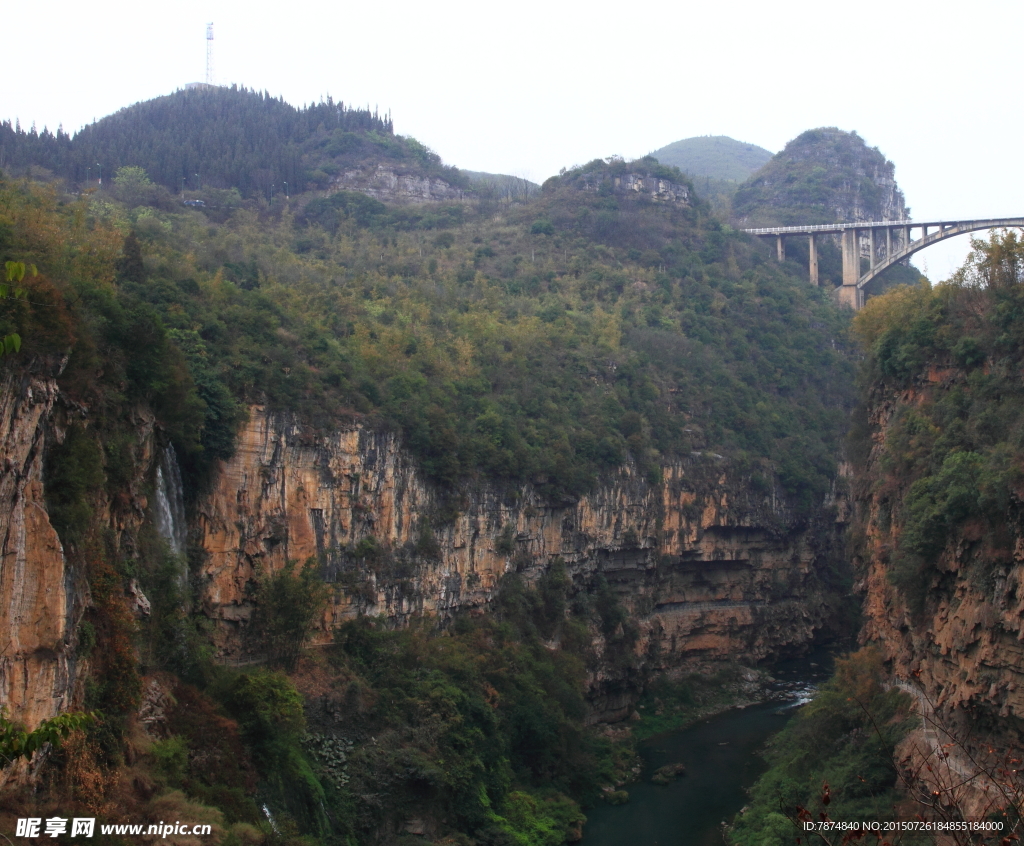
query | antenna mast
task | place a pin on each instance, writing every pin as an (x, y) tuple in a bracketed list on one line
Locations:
[(209, 54)]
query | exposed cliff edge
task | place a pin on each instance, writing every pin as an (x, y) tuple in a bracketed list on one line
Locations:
[(646, 184), (707, 568), (644, 177), (394, 186), (46, 595)]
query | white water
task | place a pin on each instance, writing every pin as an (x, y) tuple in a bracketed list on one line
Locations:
[(170, 502), (270, 818)]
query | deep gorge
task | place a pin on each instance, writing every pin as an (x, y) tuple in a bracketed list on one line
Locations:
[(380, 517)]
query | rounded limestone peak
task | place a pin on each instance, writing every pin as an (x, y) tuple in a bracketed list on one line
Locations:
[(824, 175)]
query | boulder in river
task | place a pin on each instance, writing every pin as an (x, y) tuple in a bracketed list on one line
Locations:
[(663, 775)]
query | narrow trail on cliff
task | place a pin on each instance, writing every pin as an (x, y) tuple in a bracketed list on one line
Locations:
[(954, 768)]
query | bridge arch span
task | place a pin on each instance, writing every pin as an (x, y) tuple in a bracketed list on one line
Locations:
[(951, 231)]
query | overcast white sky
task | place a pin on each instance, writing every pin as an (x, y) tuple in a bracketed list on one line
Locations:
[(535, 86)]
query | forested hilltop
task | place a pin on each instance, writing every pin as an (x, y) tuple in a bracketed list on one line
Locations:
[(822, 176), (219, 138), (534, 344), (543, 341), (715, 157)]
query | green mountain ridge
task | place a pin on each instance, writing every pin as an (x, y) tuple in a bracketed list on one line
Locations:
[(716, 157)]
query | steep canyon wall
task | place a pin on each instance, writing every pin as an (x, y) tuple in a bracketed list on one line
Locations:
[(44, 581), (961, 641), (709, 569)]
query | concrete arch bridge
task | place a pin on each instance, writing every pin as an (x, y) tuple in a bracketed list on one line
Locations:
[(886, 242)]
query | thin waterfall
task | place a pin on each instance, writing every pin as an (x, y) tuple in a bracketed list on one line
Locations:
[(170, 502)]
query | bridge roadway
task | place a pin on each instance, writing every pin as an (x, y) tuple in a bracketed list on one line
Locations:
[(856, 237)]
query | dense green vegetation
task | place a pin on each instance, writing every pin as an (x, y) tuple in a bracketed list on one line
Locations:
[(672, 704), (503, 185), (475, 734), (836, 757), (950, 465), (482, 728)]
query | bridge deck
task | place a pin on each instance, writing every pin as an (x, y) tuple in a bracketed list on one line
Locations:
[(980, 223)]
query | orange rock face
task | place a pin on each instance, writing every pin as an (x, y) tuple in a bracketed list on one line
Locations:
[(36, 672), (708, 570)]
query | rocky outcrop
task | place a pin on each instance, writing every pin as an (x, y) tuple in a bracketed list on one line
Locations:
[(637, 184), (708, 569), (35, 664), (388, 185)]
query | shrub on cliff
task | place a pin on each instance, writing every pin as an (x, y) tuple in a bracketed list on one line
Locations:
[(288, 605)]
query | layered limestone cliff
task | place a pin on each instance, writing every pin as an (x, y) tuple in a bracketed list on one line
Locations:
[(44, 585), (640, 184), (708, 569), (388, 185)]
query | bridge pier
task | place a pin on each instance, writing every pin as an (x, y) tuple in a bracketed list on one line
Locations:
[(812, 263), (849, 294), (851, 257), (780, 247)]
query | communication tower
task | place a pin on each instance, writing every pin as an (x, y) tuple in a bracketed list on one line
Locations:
[(209, 54)]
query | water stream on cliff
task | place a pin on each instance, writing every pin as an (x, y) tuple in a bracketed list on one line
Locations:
[(722, 762), (170, 502)]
